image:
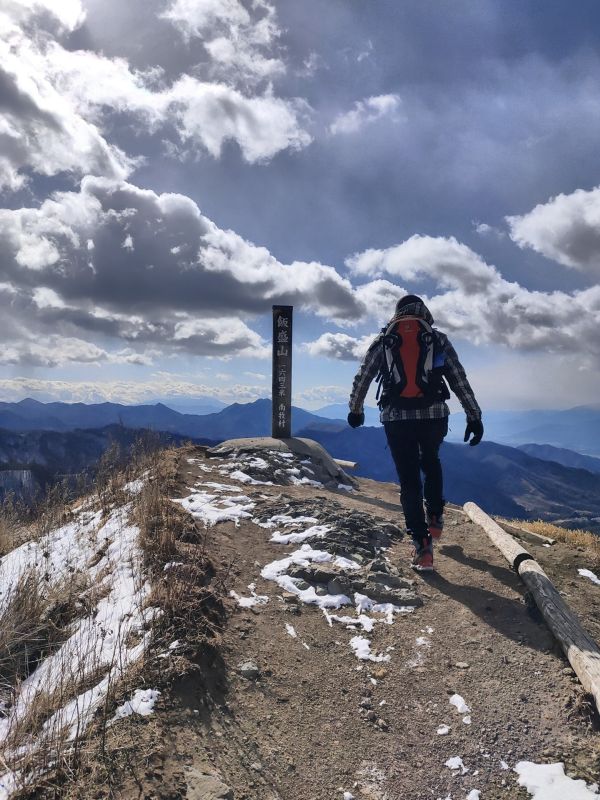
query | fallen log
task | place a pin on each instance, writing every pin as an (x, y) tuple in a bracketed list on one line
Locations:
[(523, 533), (580, 649), (341, 462)]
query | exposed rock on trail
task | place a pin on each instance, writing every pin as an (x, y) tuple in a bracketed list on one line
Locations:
[(342, 671)]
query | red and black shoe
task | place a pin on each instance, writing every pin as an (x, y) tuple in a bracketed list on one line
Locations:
[(435, 525), (422, 558)]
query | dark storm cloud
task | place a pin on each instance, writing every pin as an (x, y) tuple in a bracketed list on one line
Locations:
[(131, 250)]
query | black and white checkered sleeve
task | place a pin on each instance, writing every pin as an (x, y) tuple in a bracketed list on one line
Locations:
[(457, 380), (365, 375)]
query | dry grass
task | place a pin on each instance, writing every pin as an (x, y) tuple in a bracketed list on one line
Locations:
[(186, 591), (576, 538), (106, 757), (34, 623), (13, 530)]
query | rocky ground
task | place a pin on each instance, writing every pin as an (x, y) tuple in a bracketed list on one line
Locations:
[(341, 672)]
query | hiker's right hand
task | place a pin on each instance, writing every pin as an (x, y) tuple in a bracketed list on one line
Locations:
[(475, 427), (356, 420)]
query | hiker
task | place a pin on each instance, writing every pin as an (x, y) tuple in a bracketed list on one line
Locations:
[(412, 362)]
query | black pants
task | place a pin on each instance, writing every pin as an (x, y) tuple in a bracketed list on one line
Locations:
[(415, 445)]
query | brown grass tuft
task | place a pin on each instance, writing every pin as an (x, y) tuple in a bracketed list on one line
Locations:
[(575, 537)]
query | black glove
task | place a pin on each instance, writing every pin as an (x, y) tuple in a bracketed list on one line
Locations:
[(475, 427), (356, 420)]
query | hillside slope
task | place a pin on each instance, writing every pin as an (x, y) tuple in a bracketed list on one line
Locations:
[(340, 671), (278, 647)]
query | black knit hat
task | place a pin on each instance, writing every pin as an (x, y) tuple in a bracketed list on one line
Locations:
[(407, 300)]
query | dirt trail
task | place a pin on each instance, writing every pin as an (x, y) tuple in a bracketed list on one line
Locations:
[(318, 721)]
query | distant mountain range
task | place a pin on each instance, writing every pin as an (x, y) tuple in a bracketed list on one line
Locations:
[(502, 480), (574, 428), (248, 419), (531, 481), (568, 458)]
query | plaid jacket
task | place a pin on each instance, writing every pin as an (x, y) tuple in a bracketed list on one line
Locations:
[(453, 372)]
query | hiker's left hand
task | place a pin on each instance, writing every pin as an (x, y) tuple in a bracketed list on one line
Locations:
[(356, 420), (475, 427)]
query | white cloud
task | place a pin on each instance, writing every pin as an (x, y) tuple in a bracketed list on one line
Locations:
[(321, 395), (39, 128), (194, 17), (479, 305), (58, 351), (365, 112), (565, 229), (212, 113), (379, 298), (451, 263), (224, 334), (158, 274), (339, 346), (128, 392), (69, 14), (240, 42), (58, 103), (484, 229)]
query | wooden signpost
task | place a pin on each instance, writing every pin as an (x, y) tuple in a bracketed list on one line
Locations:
[(281, 427)]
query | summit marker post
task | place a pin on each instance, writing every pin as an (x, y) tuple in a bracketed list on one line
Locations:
[(281, 427)]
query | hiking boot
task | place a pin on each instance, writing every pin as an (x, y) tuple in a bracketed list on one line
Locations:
[(422, 558), (435, 525)]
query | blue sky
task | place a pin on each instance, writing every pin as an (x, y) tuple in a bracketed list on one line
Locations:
[(169, 169)]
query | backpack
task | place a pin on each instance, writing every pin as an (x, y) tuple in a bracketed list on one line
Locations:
[(411, 374)]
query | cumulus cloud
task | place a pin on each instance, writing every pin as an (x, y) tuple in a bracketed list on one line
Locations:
[(240, 41), (199, 112), (150, 270), (181, 259), (365, 112), (40, 131), (58, 103), (480, 305), (58, 351), (451, 263), (339, 346), (565, 229)]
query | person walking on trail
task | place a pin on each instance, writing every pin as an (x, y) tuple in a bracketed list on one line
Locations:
[(412, 362)]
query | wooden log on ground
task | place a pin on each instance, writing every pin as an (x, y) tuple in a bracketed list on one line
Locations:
[(509, 547), (581, 650), (523, 533), (341, 462)]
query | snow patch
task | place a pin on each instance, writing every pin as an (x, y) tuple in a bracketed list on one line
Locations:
[(587, 573), (107, 641), (362, 650), (314, 532), (242, 477), (459, 703), (134, 487), (249, 602), (142, 703), (212, 509), (443, 730), (549, 782), (456, 763), (275, 571)]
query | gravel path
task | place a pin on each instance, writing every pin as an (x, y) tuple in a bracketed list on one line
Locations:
[(289, 710)]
